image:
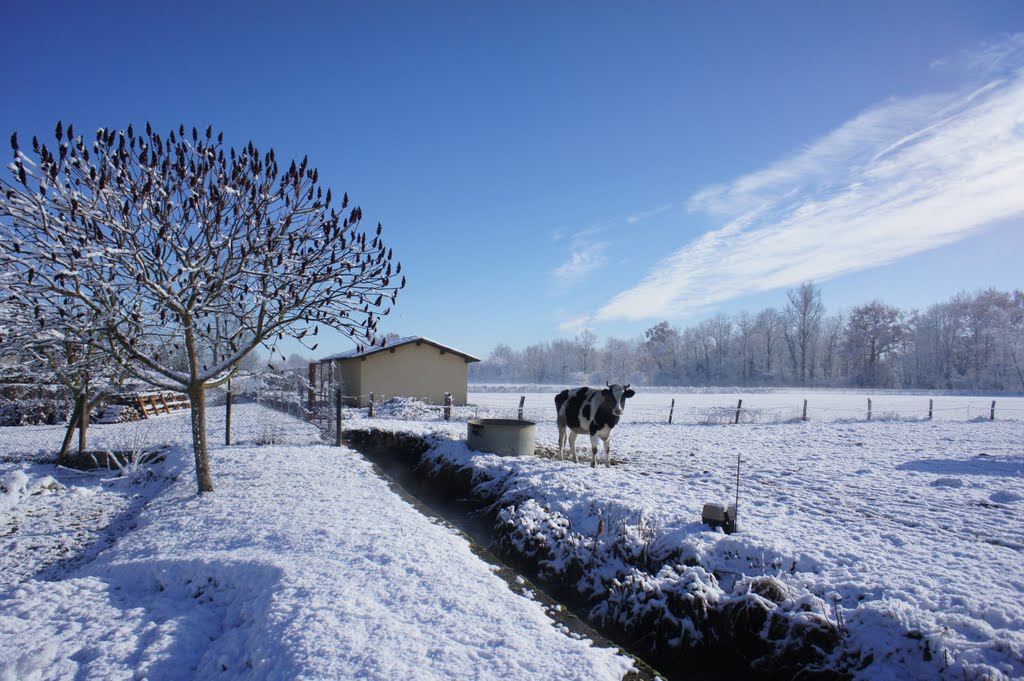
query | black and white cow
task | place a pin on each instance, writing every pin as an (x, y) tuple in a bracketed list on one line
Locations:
[(590, 411)]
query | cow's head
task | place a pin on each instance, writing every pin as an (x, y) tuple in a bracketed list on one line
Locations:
[(618, 394)]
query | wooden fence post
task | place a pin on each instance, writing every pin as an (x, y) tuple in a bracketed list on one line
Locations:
[(739, 405), (671, 408), (931, 404), (804, 417), (371, 406), (869, 409), (522, 403), (447, 406), (992, 414)]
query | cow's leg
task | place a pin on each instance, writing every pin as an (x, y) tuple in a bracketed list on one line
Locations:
[(607, 447), (594, 439), (572, 446), (561, 440)]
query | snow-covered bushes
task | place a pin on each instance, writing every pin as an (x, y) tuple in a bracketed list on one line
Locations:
[(17, 485), (670, 601), (34, 412)]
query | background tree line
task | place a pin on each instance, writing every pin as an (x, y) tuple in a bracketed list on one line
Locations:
[(974, 341)]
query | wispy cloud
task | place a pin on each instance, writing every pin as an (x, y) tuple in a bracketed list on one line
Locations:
[(583, 260), (905, 176), (647, 214), (574, 325)]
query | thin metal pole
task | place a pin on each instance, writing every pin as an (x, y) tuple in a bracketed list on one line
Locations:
[(337, 417)]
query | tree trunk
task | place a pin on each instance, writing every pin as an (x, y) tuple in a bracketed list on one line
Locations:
[(72, 424), (1016, 365), (83, 422), (197, 400)]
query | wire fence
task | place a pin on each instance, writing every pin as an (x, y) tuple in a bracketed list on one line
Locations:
[(43, 442), (540, 408)]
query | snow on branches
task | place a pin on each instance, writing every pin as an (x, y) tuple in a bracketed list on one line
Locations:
[(183, 255)]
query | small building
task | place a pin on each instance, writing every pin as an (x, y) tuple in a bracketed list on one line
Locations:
[(408, 367)]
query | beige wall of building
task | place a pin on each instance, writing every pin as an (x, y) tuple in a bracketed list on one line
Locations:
[(351, 386), (421, 371)]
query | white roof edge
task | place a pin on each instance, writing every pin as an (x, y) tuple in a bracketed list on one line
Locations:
[(394, 344)]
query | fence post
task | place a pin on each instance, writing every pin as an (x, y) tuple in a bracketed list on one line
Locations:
[(931, 404), (992, 414), (447, 406), (311, 396), (671, 408), (804, 417), (227, 415), (869, 409), (522, 402), (739, 405), (736, 509), (371, 406), (337, 416)]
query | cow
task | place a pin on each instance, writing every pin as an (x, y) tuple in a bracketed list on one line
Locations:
[(590, 411)]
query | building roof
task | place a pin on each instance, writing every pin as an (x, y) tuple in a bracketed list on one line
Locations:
[(391, 344)]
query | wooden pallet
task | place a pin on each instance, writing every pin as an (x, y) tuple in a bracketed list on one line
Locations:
[(154, 404)]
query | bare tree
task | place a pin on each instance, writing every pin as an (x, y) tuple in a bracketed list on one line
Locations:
[(1015, 333), (52, 345), (150, 240), (803, 316), (744, 346), (770, 326), (586, 341)]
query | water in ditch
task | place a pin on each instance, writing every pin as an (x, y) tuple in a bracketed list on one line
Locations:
[(462, 515)]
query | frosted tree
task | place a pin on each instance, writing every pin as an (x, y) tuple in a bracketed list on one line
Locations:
[(770, 325), (586, 343), (181, 256), (873, 331), (661, 347), (803, 317)]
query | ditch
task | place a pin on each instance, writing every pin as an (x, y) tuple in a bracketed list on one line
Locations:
[(449, 503)]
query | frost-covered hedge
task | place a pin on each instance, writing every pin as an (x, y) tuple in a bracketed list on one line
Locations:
[(670, 602)]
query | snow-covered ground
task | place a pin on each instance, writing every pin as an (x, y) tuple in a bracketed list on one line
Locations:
[(718, 405), (302, 565), (910, 532)]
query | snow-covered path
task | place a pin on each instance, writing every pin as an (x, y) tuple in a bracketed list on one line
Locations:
[(302, 565)]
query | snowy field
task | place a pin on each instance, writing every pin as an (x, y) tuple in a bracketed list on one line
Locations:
[(302, 565), (718, 405), (910, 532)]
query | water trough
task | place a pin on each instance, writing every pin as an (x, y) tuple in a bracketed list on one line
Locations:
[(506, 437)]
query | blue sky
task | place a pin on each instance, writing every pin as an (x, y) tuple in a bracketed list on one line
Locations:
[(544, 167)]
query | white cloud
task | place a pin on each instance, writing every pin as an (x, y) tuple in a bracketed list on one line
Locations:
[(583, 260), (574, 325), (646, 214), (904, 177)]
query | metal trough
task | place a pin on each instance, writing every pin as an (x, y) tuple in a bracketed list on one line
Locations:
[(507, 437)]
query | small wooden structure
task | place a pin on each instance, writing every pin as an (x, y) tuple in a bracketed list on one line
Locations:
[(164, 402), (409, 367)]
